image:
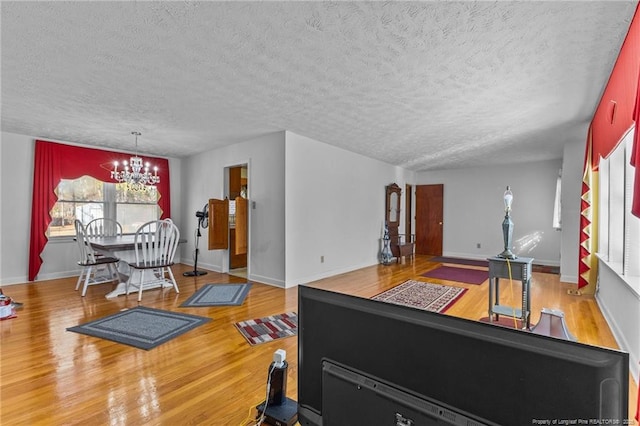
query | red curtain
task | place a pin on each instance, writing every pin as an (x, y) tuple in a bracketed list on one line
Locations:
[(612, 119), (55, 161), (635, 162), (635, 154)]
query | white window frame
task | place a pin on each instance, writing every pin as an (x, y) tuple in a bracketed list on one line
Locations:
[(618, 228), (109, 208)]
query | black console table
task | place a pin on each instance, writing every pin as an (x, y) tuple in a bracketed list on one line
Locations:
[(521, 271)]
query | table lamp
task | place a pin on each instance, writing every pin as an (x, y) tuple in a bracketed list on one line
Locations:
[(507, 226)]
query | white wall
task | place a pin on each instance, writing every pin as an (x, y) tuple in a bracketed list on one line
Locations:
[(572, 163), (16, 177), (335, 201), (474, 210), (203, 178), (334, 207), (16, 185)]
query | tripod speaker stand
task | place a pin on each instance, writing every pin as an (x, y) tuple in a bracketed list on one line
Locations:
[(203, 221)]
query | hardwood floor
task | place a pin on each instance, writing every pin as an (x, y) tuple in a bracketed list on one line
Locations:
[(210, 375)]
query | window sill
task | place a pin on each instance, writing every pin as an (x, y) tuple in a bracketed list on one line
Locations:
[(59, 240), (632, 281)]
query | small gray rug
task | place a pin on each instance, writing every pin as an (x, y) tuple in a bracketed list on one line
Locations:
[(141, 327), (218, 295)]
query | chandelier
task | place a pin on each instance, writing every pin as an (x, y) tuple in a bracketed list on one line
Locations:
[(137, 177)]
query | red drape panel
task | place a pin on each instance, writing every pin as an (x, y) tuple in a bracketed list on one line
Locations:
[(55, 161), (614, 115), (612, 119)]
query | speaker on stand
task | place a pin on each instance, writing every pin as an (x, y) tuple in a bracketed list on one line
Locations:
[(203, 222)]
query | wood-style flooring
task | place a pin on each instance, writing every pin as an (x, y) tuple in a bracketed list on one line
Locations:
[(210, 375)]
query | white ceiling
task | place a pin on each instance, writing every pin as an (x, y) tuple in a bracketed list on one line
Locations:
[(423, 85)]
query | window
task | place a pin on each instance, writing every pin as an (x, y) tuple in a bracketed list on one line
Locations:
[(87, 198), (619, 230)]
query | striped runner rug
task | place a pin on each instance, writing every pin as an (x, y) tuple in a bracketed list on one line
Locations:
[(268, 329)]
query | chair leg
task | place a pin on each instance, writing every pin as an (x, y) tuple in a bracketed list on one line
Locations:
[(173, 280), (80, 277), (130, 280), (86, 280), (140, 286)]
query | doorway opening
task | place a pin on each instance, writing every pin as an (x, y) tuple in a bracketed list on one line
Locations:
[(237, 191)]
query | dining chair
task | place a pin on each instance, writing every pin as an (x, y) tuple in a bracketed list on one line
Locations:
[(155, 245), (104, 227), (91, 264)]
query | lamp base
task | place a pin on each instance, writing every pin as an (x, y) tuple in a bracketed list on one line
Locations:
[(194, 273), (506, 254)]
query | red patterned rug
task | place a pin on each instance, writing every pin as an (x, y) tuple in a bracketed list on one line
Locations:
[(463, 275), (268, 329), (460, 261), (421, 295)]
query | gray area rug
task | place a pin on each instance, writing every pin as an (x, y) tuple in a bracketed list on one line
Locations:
[(141, 327), (218, 295)]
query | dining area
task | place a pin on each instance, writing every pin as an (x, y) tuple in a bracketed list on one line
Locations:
[(133, 262)]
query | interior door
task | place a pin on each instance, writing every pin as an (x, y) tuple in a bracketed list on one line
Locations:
[(429, 199), (218, 224), (241, 225)]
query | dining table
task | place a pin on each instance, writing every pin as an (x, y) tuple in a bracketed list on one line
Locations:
[(122, 247)]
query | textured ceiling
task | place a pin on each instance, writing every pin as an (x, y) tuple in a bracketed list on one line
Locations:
[(423, 85)]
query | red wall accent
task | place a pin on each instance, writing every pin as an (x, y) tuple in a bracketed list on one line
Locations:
[(620, 93)]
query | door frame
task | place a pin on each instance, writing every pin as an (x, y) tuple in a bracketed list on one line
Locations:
[(408, 209), (226, 191)]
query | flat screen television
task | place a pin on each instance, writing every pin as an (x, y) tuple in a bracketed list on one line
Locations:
[(366, 362)]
